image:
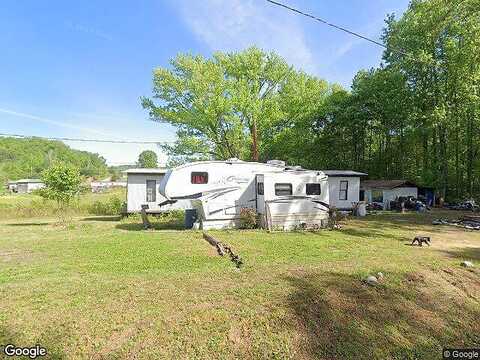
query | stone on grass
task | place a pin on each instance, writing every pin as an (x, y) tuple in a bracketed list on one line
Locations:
[(467, 264), (379, 276), (371, 280)]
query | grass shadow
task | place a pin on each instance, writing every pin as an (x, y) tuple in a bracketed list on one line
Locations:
[(29, 224), (155, 226), (51, 339), (369, 233), (103, 218), (342, 318), (467, 253)]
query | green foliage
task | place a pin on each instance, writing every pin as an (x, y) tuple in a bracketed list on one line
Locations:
[(227, 106), (148, 159), (248, 218), (28, 158), (62, 185), (113, 206)]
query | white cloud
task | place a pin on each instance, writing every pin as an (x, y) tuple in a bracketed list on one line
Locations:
[(88, 30), (52, 122), (237, 24)]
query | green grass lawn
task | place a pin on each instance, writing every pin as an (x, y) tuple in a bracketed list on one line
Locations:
[(14, 206), (103, 288)]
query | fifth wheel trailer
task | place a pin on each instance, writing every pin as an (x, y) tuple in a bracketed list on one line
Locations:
[(283, 197)]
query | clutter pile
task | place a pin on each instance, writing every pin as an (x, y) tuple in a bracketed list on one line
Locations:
[(467, 205), (374, 206), (470, 222), (408, 203)]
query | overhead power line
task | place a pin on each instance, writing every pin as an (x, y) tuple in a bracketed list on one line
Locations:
[(86, 140), (316, 18)]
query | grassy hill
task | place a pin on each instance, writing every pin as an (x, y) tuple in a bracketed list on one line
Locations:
[(27, 158)]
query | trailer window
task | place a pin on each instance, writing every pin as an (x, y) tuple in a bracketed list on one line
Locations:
[(199, 177), (151, 191), (313, 189), (283, 189), (343, 190), (260, 189)]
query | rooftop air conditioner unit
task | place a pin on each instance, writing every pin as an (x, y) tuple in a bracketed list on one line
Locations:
[(276, 162)]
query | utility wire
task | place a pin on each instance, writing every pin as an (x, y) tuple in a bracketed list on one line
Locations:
[(334, 26), (85, 140)]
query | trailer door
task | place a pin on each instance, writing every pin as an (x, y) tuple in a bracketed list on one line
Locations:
[(260, 194)]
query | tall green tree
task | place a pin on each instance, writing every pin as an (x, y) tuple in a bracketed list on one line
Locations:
[(440, 59), (148, 159), (223, 107)]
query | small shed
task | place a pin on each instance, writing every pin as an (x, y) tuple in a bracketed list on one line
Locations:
[(25, 186), (143, 189), (344, 188), (384, 191)]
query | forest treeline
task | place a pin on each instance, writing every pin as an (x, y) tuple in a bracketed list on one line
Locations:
[(28, 158), (416, 116)]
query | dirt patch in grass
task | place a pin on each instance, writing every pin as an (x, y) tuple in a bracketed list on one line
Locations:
[(120, 338), (18, 256)]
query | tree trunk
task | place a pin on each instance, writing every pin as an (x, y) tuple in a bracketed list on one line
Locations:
[(254, 134)]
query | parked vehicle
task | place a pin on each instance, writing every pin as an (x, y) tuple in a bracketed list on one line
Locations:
[(283, 197)]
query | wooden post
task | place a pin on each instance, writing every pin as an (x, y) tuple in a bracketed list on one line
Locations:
[(146, 223)]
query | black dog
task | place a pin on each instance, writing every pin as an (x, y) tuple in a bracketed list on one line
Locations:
[(421, 239)]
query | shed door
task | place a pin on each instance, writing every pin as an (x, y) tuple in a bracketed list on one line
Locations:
[(151, 194)]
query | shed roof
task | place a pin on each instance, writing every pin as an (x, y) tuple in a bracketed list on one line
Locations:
[(146, 171), (343, 173), (386, 184), (29, 181)]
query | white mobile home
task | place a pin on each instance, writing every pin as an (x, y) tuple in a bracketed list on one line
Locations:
[(143, 189), (384, 191), (283, 197), (344, 188), (12, 186), (25, 186)]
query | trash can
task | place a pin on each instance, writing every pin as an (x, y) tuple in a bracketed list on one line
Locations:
[(362, 209), (190, 218)]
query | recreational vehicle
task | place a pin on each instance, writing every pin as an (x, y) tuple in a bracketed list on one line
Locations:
[(283, 197)]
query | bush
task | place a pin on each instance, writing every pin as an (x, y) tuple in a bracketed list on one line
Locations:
[(113, 206), (248, 218)]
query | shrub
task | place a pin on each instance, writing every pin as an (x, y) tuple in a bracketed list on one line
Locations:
[(62, 184), (248, 218), (113, 206)]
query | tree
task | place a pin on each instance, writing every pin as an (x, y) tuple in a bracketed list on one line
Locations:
[(226, 106), (148, 159), (62, 184), (441, 42)]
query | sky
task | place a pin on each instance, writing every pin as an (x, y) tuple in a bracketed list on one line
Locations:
[(78, 69)]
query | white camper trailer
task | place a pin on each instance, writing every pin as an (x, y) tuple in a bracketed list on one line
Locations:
[(283, 197)]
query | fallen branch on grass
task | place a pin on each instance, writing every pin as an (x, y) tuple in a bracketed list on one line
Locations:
[(224, 248), (217, 244)]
